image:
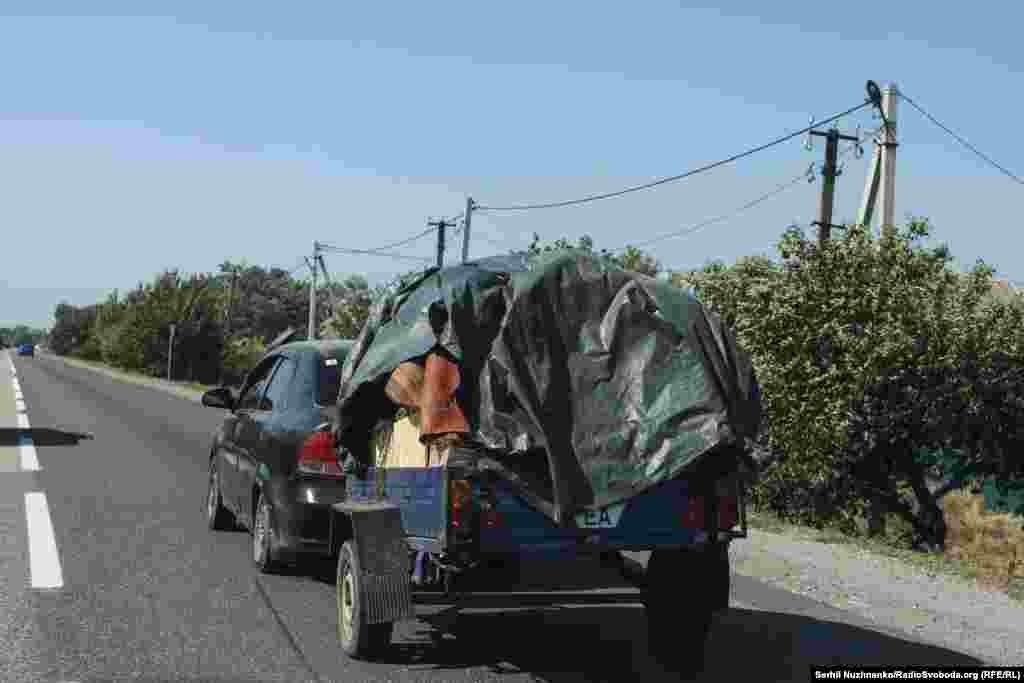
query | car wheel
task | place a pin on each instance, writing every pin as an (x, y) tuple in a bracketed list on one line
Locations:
[(358, 639), (264, 538), (218, 517)]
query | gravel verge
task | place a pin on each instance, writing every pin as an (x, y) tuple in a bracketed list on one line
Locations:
[(939, 609)]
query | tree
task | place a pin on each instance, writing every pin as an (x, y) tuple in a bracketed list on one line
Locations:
[(632, 258), (868, 352), (351, 299)]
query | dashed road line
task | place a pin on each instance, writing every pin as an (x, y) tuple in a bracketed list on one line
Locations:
[(44, 562), (45, 570), (27, 455)]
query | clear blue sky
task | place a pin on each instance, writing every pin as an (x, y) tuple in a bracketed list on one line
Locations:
[(213, 130)]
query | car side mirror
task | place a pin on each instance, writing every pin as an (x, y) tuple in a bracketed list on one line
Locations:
[(221, 397)]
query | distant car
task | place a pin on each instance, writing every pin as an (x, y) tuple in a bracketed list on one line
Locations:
[(27, 350), (272, 466)]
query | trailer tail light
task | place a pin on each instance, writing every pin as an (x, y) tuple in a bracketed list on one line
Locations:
[(491, 519), (460, 495), (693, 514), (317, 456)]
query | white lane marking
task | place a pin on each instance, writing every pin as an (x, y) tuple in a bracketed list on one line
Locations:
[(20, 406), (18, 396), (23, 421), (29, 459), (44, 562)]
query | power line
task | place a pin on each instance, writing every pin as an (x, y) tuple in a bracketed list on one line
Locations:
[(681, 176), (960, 139), (806, 175), (370, 252)]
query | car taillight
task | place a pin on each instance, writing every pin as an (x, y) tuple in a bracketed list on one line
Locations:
[(460, 495), (693, 515), (317, 456)]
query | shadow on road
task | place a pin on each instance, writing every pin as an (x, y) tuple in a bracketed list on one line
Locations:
[(610, 644)]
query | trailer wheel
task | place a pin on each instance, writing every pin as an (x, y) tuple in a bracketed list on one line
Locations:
[(719, 576), (358, 639), (679, 603)]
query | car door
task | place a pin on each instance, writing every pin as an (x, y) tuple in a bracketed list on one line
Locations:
[(267, 423), (245, 435)]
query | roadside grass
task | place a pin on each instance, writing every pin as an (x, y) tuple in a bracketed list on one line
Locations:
[(986, 548), (138, 377)]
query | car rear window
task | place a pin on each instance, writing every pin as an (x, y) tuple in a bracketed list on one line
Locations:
[(330, 381)]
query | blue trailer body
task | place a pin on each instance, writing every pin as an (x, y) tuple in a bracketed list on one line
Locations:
[(654, 519)]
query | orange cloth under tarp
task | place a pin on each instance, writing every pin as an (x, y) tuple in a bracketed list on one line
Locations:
[(439, 411)]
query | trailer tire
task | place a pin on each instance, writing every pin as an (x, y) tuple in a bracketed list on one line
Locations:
[(720, 576), (679, 607), (358, 639)]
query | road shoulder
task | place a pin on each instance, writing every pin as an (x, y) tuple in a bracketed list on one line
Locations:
[(941, 609)]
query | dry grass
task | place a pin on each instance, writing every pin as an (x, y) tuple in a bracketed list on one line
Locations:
[(993, 542)]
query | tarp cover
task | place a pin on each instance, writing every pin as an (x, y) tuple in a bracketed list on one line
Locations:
[(625, 380)]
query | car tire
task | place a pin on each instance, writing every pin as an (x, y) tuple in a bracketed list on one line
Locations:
[(358, 639), (218, 517), (265, 554)]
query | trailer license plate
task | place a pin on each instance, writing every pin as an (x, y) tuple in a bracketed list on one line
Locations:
[(605, 518)]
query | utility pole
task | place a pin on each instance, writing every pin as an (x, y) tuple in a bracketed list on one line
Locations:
[(882, 173), (170, 353), (441, 225), (311, 331), (228, 306), (466, 222), (829, 174), (888, 188)]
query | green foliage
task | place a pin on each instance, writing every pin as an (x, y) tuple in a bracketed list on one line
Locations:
[(20, 334), (631, 258), (239, 356), (351, 300), (867, 349)]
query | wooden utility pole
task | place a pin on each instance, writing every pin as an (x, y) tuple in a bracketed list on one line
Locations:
[(466, 222), (170, 352), (441, 225), (829, 173)]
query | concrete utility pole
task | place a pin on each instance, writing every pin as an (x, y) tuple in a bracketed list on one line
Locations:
[(882, 172), (829, 173), (170, 352), (467, 221), (440, 225), (888, 181), (311, 331)]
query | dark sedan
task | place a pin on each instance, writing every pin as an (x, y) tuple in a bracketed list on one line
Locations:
[(273, 468)]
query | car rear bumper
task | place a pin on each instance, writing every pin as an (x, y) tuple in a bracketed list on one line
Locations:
[(304, 515)]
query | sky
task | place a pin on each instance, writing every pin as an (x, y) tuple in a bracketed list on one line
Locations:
[(131, 143)]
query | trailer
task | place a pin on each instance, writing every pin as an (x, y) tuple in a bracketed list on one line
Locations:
[(457, 535), (559, 414)]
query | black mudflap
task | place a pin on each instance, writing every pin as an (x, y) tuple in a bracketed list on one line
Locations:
[(384, 558)]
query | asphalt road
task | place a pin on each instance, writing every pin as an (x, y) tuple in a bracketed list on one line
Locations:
[(149, 594)]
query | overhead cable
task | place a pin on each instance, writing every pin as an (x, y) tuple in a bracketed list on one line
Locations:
[(807, 175), (370, 252), (959, 139), (681, 176)]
